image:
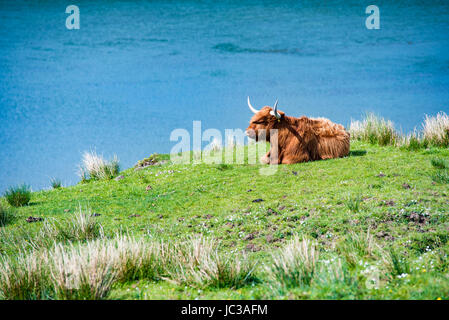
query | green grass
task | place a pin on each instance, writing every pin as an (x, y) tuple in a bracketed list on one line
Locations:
[(5, 216), (18, 196), (55, 183), (440, 163), (353, 203), (375, 236), (441, 176)]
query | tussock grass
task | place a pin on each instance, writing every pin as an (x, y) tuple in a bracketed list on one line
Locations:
[(5, 216), (335, 280), (198, 262), (71, 271), (95, 167), (24, 277), (377, 130), (139, 258), (81, 272), (295, 264), (21, 239), (440, 163), (63, 272), (436, 130), (81, 227), (412, 141), (342, 272), (396, 264), (89, 270), (442, 173), (55, 183), (374, 129), (357, 246), (353, 203), (18, 196), (441, 176)]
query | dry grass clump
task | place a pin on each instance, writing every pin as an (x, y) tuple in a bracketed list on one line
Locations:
[(89, 270), (83, 226), (356, 246), (295, 264), (139, 258), (85, 271), (81, 272), (377, 130), (335, 280), (95, 167), (5, 216), (435, 130), (374, 129), (299, 264), (412, 141), (23, 277), (197, 262)]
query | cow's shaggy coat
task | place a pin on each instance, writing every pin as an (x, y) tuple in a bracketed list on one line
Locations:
[(300, 139)]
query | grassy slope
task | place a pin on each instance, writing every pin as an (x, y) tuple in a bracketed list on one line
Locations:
[(307, 199)]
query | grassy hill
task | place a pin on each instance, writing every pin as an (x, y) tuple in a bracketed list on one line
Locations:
[(375, 225)]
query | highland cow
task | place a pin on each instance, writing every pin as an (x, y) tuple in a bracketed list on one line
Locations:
[(298, 139)]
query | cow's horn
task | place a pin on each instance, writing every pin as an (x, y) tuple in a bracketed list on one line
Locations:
[(275, 110), (251, 107)]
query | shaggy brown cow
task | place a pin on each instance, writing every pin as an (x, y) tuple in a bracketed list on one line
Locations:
[(299, 139)]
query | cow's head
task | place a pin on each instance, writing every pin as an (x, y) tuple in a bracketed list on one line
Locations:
[(266, 119)]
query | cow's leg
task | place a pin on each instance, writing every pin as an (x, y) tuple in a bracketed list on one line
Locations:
[(265, 159)]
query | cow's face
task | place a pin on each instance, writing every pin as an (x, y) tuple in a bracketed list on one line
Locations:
[(264, 119)]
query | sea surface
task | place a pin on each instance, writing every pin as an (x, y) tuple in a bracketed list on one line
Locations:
[(137, 70)]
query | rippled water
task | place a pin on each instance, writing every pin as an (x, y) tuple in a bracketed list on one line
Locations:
[(137, 70)]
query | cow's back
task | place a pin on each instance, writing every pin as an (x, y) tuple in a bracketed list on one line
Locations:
[(333, 140)]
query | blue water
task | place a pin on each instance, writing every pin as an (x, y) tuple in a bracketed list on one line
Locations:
[(136, 70)]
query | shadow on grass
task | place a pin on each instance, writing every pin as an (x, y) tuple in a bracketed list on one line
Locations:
[(357, 153)]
